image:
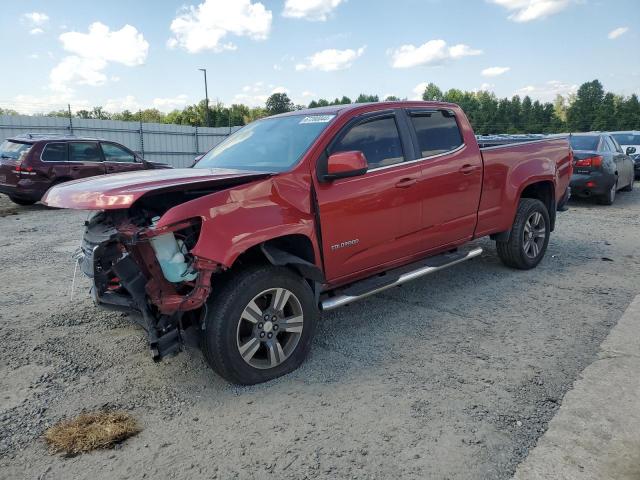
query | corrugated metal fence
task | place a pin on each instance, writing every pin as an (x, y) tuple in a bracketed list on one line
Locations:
[(176, 145)]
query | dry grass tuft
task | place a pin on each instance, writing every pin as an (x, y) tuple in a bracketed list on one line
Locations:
[(91, 431)]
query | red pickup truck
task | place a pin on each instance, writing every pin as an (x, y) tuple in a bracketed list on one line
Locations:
[(304, 212)]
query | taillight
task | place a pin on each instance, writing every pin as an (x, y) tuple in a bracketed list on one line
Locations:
[(595, 162)]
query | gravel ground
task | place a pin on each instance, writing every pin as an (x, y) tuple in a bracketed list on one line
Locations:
[(454, 376)]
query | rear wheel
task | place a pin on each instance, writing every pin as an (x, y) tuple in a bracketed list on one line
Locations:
[(609, 197), (629, 188), (22, 201), (259, 326), (529, 236)]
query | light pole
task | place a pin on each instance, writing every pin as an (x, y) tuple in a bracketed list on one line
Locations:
[(206, 93)]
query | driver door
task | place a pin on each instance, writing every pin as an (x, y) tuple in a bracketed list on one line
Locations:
[(371, 220)]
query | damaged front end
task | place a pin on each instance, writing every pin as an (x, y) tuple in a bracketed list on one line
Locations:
[(138, 267)]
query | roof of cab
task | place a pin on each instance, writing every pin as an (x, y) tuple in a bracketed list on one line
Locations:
[(337, 109)]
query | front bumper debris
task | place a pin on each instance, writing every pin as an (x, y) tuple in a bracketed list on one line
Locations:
[(127, 277)]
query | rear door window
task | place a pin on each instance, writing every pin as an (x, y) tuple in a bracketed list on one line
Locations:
[(114, 153), (437, 132), (13, 150), (84, 152), (378, 139), (55, 152)]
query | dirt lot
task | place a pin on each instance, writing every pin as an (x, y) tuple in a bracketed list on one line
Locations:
[(453, 376)]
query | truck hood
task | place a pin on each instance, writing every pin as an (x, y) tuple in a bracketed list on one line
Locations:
[(121, 190)]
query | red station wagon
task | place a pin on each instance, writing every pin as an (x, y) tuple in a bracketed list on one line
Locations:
[(30, 164)]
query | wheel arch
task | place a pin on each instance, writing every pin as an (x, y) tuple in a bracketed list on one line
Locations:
[(295, 251), (545, 192)]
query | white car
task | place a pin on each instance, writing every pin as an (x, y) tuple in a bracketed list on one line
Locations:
[(627, 141)]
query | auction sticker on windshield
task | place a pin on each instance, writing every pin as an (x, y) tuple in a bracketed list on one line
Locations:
[(317, 119)]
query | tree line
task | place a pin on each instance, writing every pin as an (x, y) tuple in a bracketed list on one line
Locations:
[(590, 108)]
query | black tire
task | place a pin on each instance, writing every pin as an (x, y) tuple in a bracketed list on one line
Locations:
[(629, 188), (225, 317), (609, 197), (512, 252), (22, 201)]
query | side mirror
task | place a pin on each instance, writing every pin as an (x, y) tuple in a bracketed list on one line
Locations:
[(346, 164), (631, 150)]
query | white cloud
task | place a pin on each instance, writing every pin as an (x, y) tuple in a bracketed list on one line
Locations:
[(204, 27), (528, 10), (93, 51), (434, 52), (548, 91), (331, 60), (307, 94), (256, 94), (418, 90), (618, 32), (119, 104), (35, 19), (315, 10), (171, 103), (30, 104), (485, 87), (36, 31), (494, 71)]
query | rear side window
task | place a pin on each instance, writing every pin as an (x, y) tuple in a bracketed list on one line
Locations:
[(13, 150), (113, 153), (55, 152), (437, 132), (84, 152), (378, 139)]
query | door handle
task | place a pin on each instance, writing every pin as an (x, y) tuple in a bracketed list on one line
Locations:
[(406, 182), (467, 169), (75, 168)]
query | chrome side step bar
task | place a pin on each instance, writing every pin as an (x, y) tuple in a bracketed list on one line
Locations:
[(425, 267)]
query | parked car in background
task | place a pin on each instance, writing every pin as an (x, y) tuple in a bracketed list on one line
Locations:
[(636, 163), (629, 141), (30, 164), (303, 212), (600, 167)]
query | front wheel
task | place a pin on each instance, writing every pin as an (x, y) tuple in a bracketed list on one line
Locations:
[(259, 325), (529, 236)]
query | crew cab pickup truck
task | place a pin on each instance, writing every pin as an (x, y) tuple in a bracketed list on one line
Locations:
[(304, 212)]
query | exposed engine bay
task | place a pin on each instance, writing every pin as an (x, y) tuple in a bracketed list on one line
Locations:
[(137, 266)]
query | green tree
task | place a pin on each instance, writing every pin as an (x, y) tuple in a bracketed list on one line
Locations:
[(582, 113), (629, 114), (606, 118), (391, 98), (432, 93), (278, 103), (364, 98)]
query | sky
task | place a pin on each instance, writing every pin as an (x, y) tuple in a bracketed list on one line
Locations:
[(146, 54)]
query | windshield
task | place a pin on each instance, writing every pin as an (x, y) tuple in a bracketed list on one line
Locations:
[(627, 138), (584, 142), (269, 145), (9, 149)]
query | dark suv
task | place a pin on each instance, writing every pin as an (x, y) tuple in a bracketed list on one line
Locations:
[(30, 164)]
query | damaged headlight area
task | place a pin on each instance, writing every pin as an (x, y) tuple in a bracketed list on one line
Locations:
[(136, 266)]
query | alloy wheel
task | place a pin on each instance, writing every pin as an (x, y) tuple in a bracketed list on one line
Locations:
[(270, 328), (535, 232)]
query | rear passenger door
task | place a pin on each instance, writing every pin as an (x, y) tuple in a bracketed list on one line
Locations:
[(85, 159), (451, 178), (119, 159), (55, 161)]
